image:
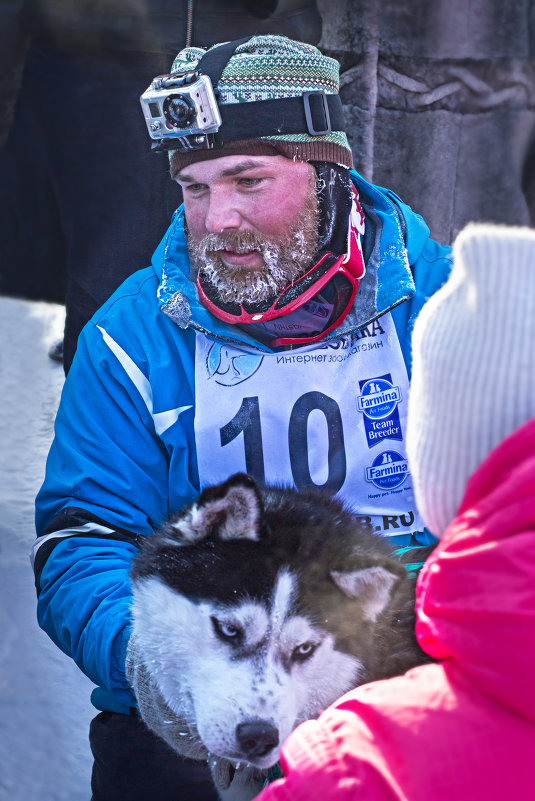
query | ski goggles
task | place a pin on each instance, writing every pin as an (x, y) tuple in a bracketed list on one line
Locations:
[(331, 285)]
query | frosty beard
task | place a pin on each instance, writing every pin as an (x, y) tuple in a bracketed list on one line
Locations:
[(284, 259)]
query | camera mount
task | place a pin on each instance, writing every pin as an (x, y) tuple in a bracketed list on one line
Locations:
[(189, 117)]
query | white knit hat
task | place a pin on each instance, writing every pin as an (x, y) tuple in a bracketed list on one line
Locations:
[(473, 365)]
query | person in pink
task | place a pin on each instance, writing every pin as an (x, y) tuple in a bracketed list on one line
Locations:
[(462, 728)]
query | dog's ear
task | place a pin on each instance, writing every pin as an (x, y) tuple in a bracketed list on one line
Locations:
[(371, 586), (229, 511)]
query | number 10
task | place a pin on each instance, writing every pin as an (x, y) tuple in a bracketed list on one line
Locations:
[(247, 421)]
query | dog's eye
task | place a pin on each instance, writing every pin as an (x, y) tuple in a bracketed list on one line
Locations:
[(226, 631), (303, 651)]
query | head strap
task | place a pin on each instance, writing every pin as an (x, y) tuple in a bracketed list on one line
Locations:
[(312, 112)]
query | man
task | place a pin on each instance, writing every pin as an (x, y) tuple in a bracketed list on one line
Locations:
[(270, 335)]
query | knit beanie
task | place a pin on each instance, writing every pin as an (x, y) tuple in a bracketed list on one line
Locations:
[(269, 68), (473, 377)]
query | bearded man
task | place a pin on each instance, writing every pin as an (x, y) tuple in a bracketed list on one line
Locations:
[(270, 335)]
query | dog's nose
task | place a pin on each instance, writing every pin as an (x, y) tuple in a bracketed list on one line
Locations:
[(257, 737)]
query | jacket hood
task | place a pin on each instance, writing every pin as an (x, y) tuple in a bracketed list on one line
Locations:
[(394, 239), (476, 593)]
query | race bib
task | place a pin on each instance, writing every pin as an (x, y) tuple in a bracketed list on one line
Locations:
[(329, 415)]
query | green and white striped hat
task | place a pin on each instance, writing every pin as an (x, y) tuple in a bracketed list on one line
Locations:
[(269, 68)]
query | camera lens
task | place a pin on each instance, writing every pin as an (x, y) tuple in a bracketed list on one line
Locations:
[(179, 111)]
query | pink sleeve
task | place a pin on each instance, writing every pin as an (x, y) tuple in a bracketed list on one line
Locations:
[(328, 760)]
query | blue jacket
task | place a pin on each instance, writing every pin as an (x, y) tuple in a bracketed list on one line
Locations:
[(124, 454)]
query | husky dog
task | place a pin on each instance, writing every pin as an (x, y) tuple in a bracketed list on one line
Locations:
[(252, 612)]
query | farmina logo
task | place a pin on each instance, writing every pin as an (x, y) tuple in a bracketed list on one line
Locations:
[(378, 401), (388, 470), (229, 366)]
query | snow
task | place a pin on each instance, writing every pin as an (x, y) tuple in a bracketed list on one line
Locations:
[(44, 698)]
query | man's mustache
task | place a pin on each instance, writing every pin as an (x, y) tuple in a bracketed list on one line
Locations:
[(237, 241)]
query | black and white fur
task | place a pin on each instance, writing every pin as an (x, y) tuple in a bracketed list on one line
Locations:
[(257, 609)]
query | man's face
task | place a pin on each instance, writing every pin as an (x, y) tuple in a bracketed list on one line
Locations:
[(252, 222)]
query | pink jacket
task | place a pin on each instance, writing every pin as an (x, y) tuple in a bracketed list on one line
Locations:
[(462, 729)]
